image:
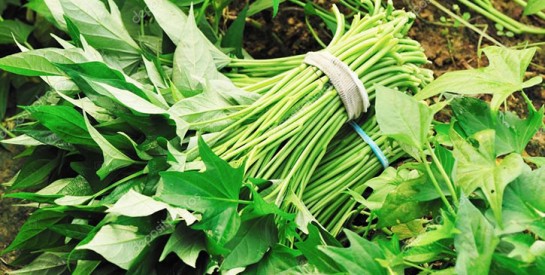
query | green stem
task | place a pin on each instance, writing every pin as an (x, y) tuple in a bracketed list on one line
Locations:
[(8, 132), (121, 181), (465, 23), (446, 177), (436, 184)]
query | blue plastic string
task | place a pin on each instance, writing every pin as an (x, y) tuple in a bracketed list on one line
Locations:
[(374, 147)]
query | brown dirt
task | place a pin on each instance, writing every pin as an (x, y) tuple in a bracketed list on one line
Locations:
[(11, 217)]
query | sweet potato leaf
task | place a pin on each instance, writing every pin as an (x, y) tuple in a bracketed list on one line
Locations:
[(234, 34), (113, 158), (40, 62), (279, 260), (214, 193), (10, 29), (65, 122), (186, 243), (512, 133), (478, 168), (103, 30), (253, 239), (134, 204), (34, 233), (360, 258), (504, 76), (523, 203), (534, 6), (119, 244), (403, 118), (46, 263), (174, 22), (476, 242)]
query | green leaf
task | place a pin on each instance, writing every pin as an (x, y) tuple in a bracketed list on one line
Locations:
[(411, 198), (279, 260), (523, 203), (102, 29), (504, 76), (311, 249), (125, 97), (252, 241), (98, 113), (40, 7), (73, 200), (404, 119), (476, 242), (524, 247), (33, 197), (472, 114), (515, 133), (186, 243), (204, 107), (45, 263), (40, 62), (393, 183), (234, 34), (23, 140), (33, 234), (35, 171), (213, 193), (74, 231), (512, 133), (65, 122), (260, 5), (360, 258), (478, 168), (175, 24), (445, 230), (113, 158), (193, 63), (77, 186), (119, 244), (534, 6), (10, 29), (85, 267), (134, 204), (73, 31)]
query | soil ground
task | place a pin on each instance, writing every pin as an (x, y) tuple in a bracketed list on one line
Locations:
[(447, 47)]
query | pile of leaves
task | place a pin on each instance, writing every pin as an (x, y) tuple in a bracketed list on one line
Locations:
[(109, 150), (20, 23)]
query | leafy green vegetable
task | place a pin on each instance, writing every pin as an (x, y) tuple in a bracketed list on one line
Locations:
[(254, 238), (503, 76), (119, 244), (47, 263), (476, 241), (35, 231), (523, 202), (478, 168), (360, 258), (186, 243), (113, 158), (512, 133), (104, 30), (14, 29), (40, 62), (410, 122), (534, 6), (233, 36), (214, 193)]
